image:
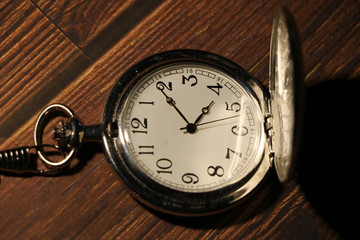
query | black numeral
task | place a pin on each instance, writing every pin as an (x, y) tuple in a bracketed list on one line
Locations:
[(146, 150), (216, 88), (139, 125), (161, 86), (164, 165), (193, 77), (190, 178), (229, 151), (235, 107), (242, 131), (149, 103), (216, 171)]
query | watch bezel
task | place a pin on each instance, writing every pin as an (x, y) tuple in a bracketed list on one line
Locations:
[(154, 194)]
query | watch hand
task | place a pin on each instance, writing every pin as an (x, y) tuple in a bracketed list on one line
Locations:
[(213, 121), (191, 127), (218, 120), (204, 110), (170, 101)]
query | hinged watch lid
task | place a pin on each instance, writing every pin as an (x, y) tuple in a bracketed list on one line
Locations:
[(285, 90)]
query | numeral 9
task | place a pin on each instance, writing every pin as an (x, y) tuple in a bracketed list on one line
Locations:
[(190, 178)]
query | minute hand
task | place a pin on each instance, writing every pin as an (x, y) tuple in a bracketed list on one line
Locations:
[(172, 103), (170, 100), (213, 121)]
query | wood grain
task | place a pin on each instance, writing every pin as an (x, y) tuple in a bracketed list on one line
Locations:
[(33, 52), (52, 52), (78, 22), (96, 46)]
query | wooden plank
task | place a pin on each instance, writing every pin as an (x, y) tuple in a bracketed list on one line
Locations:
[(94, 26), (339, 25), (89, 202), (81, 21), (56, 9), (67, 69), (33, 53)]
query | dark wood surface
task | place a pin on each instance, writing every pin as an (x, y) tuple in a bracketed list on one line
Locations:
[(72, 52)]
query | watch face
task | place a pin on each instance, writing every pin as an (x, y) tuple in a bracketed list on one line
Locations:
[(191, 127), (184, 130)]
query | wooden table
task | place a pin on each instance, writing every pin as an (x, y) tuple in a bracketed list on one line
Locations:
[(72, 52)]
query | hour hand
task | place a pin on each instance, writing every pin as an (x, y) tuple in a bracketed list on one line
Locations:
[(204, 110), (192, 127)]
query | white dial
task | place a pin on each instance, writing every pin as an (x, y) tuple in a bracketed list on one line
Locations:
[(191, 127)]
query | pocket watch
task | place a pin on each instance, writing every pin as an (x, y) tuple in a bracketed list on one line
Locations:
[(191, 133)]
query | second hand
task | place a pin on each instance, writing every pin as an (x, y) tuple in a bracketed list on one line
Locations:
[(213, 121)]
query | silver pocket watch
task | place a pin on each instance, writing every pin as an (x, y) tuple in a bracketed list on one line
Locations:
[(189, 132)]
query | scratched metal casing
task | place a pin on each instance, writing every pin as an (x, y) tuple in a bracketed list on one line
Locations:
[(285, 85)]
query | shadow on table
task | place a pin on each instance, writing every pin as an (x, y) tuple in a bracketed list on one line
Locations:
[(329, 161)]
